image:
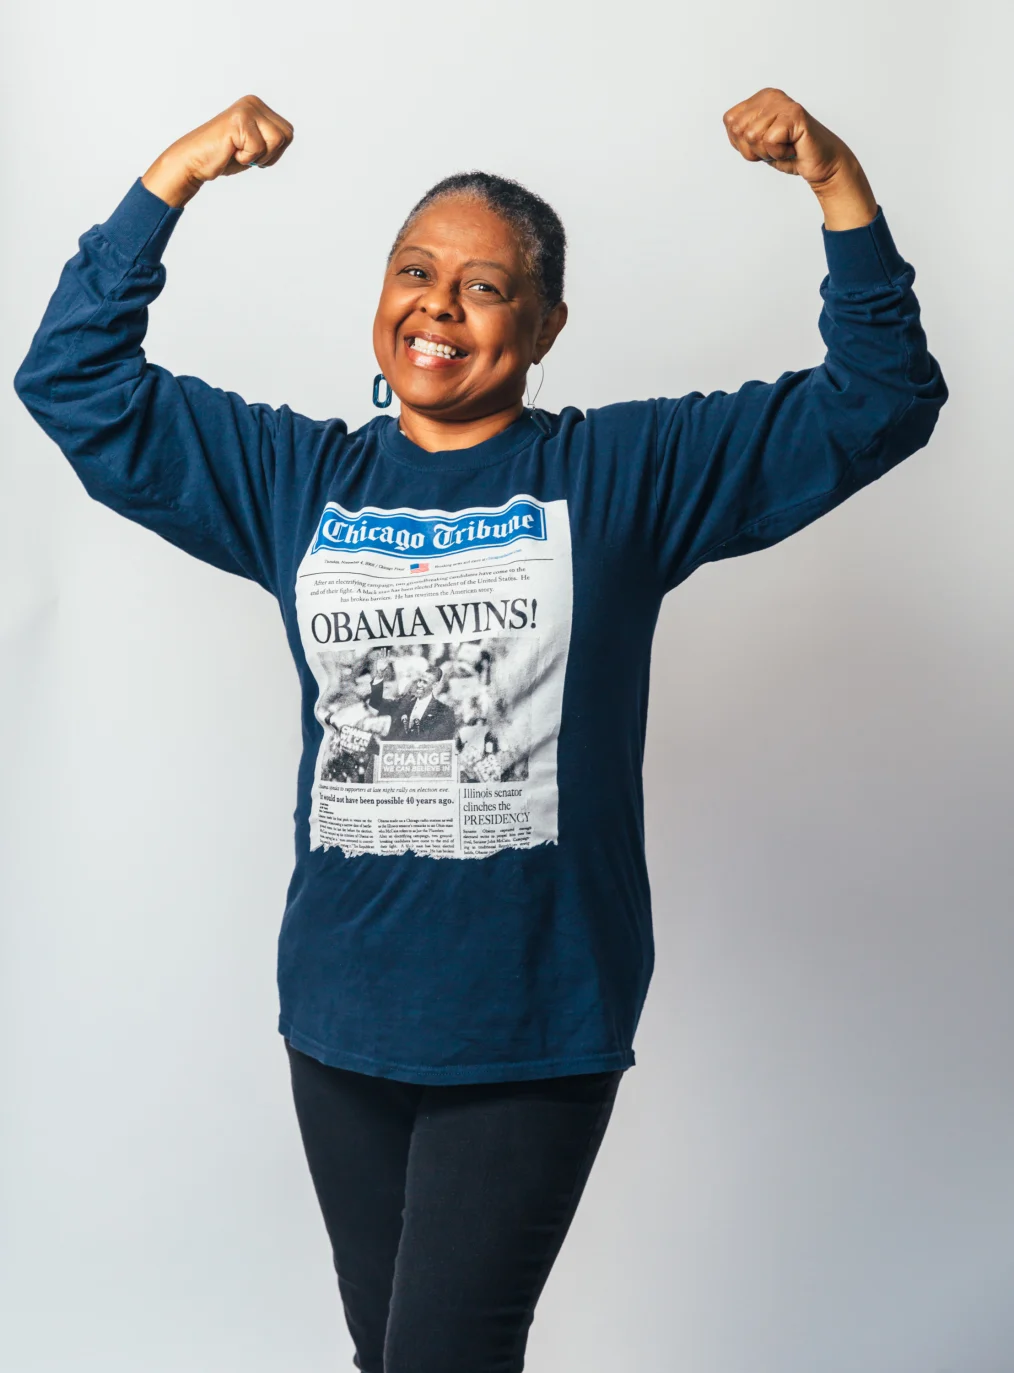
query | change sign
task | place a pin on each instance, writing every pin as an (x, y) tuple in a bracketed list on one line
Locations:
[(416, 761)]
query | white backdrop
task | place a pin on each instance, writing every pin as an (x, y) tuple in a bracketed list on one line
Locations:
[(812, 1166)]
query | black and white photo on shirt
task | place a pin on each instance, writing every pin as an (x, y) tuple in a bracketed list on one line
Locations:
[(475, 693)]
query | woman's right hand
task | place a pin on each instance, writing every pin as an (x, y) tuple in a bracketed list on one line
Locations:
[(248, 133)]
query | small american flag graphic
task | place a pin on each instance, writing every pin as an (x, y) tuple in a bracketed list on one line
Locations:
[(418, 567)]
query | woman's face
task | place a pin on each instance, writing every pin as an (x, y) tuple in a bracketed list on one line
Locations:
[(460, 321)]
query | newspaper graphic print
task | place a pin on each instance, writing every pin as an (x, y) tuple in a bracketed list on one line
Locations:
[(439, 643)]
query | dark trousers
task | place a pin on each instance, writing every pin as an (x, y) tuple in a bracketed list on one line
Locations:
[(446, 1206)]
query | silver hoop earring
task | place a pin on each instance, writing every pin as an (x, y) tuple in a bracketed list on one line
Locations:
[(531, 402)]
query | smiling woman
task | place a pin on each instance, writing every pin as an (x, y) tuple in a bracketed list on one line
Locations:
[(472, 297), (467, 942)]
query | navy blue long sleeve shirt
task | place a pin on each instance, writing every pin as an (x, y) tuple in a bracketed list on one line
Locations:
[(470, 898)]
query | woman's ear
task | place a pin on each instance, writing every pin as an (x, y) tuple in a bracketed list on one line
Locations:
[(551, 327)]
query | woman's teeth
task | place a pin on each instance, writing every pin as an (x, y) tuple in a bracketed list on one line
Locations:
[(437, 350)]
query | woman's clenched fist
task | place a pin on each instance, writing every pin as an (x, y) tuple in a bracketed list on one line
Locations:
[(771, 127), (247, 134)]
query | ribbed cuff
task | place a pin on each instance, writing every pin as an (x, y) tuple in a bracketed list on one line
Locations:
[(857, 258), (141, 225)]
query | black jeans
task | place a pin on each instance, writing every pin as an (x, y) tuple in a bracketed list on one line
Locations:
[(446, 1206)]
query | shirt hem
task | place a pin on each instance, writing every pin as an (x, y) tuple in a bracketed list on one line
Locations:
[(140, 226), (464, 1074), (862, 259)]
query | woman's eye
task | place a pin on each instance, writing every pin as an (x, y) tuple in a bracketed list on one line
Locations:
[(417, 271), (484, 287)]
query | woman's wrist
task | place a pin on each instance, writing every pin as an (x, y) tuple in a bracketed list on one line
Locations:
[(171, 181), (846, 197)]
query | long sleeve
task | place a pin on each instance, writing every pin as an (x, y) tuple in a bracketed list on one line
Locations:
[(377, 698), (739, 471), (192, 463)]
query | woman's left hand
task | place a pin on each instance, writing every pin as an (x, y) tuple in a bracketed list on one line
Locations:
[(772, 128)]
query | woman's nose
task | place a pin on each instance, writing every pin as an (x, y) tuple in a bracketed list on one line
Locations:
[(442, 302)]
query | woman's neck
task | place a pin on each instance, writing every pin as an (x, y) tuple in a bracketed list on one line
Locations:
[(435, 435)]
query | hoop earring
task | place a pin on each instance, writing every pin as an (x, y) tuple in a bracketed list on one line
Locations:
[(531, 403), (381, 404)]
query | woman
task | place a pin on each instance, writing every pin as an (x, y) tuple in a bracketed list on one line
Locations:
[(465, 950)]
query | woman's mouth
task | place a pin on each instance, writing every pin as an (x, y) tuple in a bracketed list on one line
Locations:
[(432, 351)]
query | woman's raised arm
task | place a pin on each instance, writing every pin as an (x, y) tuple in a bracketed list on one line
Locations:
[(193, 463), (739, 471)]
